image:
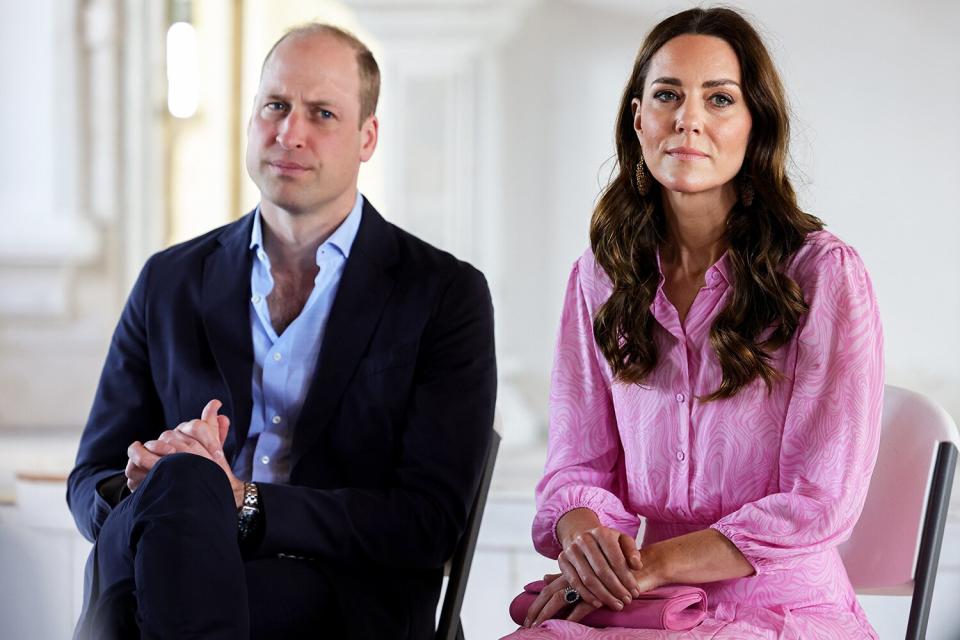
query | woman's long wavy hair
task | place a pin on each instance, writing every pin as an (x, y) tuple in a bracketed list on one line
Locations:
[(627, 228)]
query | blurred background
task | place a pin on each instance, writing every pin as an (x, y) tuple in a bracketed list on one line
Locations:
[(124, 129)]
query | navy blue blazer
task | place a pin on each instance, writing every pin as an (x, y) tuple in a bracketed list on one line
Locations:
[(388, 449)]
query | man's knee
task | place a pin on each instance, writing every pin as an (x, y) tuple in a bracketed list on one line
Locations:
[(187, 479)]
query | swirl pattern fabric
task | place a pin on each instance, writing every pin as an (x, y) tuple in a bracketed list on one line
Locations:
[(782, 474)]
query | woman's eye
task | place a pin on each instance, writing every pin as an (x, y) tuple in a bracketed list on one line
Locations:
[(665, 96), (721, 100)]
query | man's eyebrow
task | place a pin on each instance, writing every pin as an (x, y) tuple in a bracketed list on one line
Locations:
[(709, 84), (313, 104)]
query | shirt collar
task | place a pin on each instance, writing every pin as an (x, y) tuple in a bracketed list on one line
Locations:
[(342, 238), (719, 269)]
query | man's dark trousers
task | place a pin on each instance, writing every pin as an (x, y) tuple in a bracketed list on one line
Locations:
[(185, 510)]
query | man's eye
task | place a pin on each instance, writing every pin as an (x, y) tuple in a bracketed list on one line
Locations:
[(721, 100), (324, 114), (665, 96), (275, 106)]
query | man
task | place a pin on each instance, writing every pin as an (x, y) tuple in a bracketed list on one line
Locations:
[(354, 368)]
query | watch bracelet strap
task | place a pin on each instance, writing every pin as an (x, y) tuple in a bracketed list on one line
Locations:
[(248, 515)]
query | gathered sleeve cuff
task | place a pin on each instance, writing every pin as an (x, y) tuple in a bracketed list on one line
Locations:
[(832, 428), (608, 507), (584, 467)]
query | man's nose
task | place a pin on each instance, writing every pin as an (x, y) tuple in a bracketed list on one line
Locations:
[(290, 133), (690, 117)]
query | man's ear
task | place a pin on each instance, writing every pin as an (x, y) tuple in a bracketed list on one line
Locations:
[(369, 131)]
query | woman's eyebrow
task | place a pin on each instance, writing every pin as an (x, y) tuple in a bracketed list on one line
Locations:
[(709, 84)]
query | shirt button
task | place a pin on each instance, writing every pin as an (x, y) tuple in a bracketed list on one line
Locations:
[(265, 459), (255, 299), (681, 456), (277, 419), (276, 356), (680, 397)]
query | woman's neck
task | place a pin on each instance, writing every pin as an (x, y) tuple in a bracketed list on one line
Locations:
[(696, 230)]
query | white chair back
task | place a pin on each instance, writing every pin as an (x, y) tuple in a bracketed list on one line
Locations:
[(881, 554)]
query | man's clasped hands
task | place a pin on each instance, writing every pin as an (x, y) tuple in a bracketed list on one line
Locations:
[(203, 437)]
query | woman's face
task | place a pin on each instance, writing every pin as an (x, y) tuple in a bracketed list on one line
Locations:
[(693, 123)]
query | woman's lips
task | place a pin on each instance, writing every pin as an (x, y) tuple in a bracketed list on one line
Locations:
[(686, 153)]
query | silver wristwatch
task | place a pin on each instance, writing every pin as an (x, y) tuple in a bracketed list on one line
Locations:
[(248, 515)]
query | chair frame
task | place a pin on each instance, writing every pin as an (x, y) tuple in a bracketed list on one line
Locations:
[(450, 626), (931, 540)]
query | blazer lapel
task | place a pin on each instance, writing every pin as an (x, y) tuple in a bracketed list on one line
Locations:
[(225, 311), (366, 284)]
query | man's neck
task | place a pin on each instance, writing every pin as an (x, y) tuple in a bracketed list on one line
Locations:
[(291, 239)]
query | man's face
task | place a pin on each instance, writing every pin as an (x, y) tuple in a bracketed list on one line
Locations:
[(305, 139)]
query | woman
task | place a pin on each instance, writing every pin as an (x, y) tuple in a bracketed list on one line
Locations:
[(718, 369)]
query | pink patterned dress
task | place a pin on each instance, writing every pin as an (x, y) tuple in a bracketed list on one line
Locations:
[(783, 475)]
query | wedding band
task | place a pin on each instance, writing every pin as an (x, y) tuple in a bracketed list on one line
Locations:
[(570, 595)]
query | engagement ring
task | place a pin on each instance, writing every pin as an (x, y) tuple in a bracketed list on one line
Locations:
[(570, 595)]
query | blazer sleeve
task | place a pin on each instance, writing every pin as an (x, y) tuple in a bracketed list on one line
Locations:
[(126, 408), (417, 521), (585, 461), (832, 429)]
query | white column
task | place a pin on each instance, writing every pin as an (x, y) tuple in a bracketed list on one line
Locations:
[(81, 196)]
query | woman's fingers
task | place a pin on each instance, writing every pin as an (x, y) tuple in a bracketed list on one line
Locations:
[(629, 548), (616, 561), (547, 605), (595, 572), (603, 568), (533, 613), (572, 575), (579, 611)]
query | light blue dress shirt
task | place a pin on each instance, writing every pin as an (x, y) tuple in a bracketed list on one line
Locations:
[(283, 365)]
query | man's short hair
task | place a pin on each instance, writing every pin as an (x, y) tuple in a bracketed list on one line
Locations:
[(368, 69)]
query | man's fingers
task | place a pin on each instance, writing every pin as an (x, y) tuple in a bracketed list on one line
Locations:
[(134, 474), (223, 428), (186, 443), (158, 447), (210, 410), (203, 434), (141, 457)]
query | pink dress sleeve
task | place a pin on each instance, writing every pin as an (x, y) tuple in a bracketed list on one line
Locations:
[(832, 426), (584, 465)]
